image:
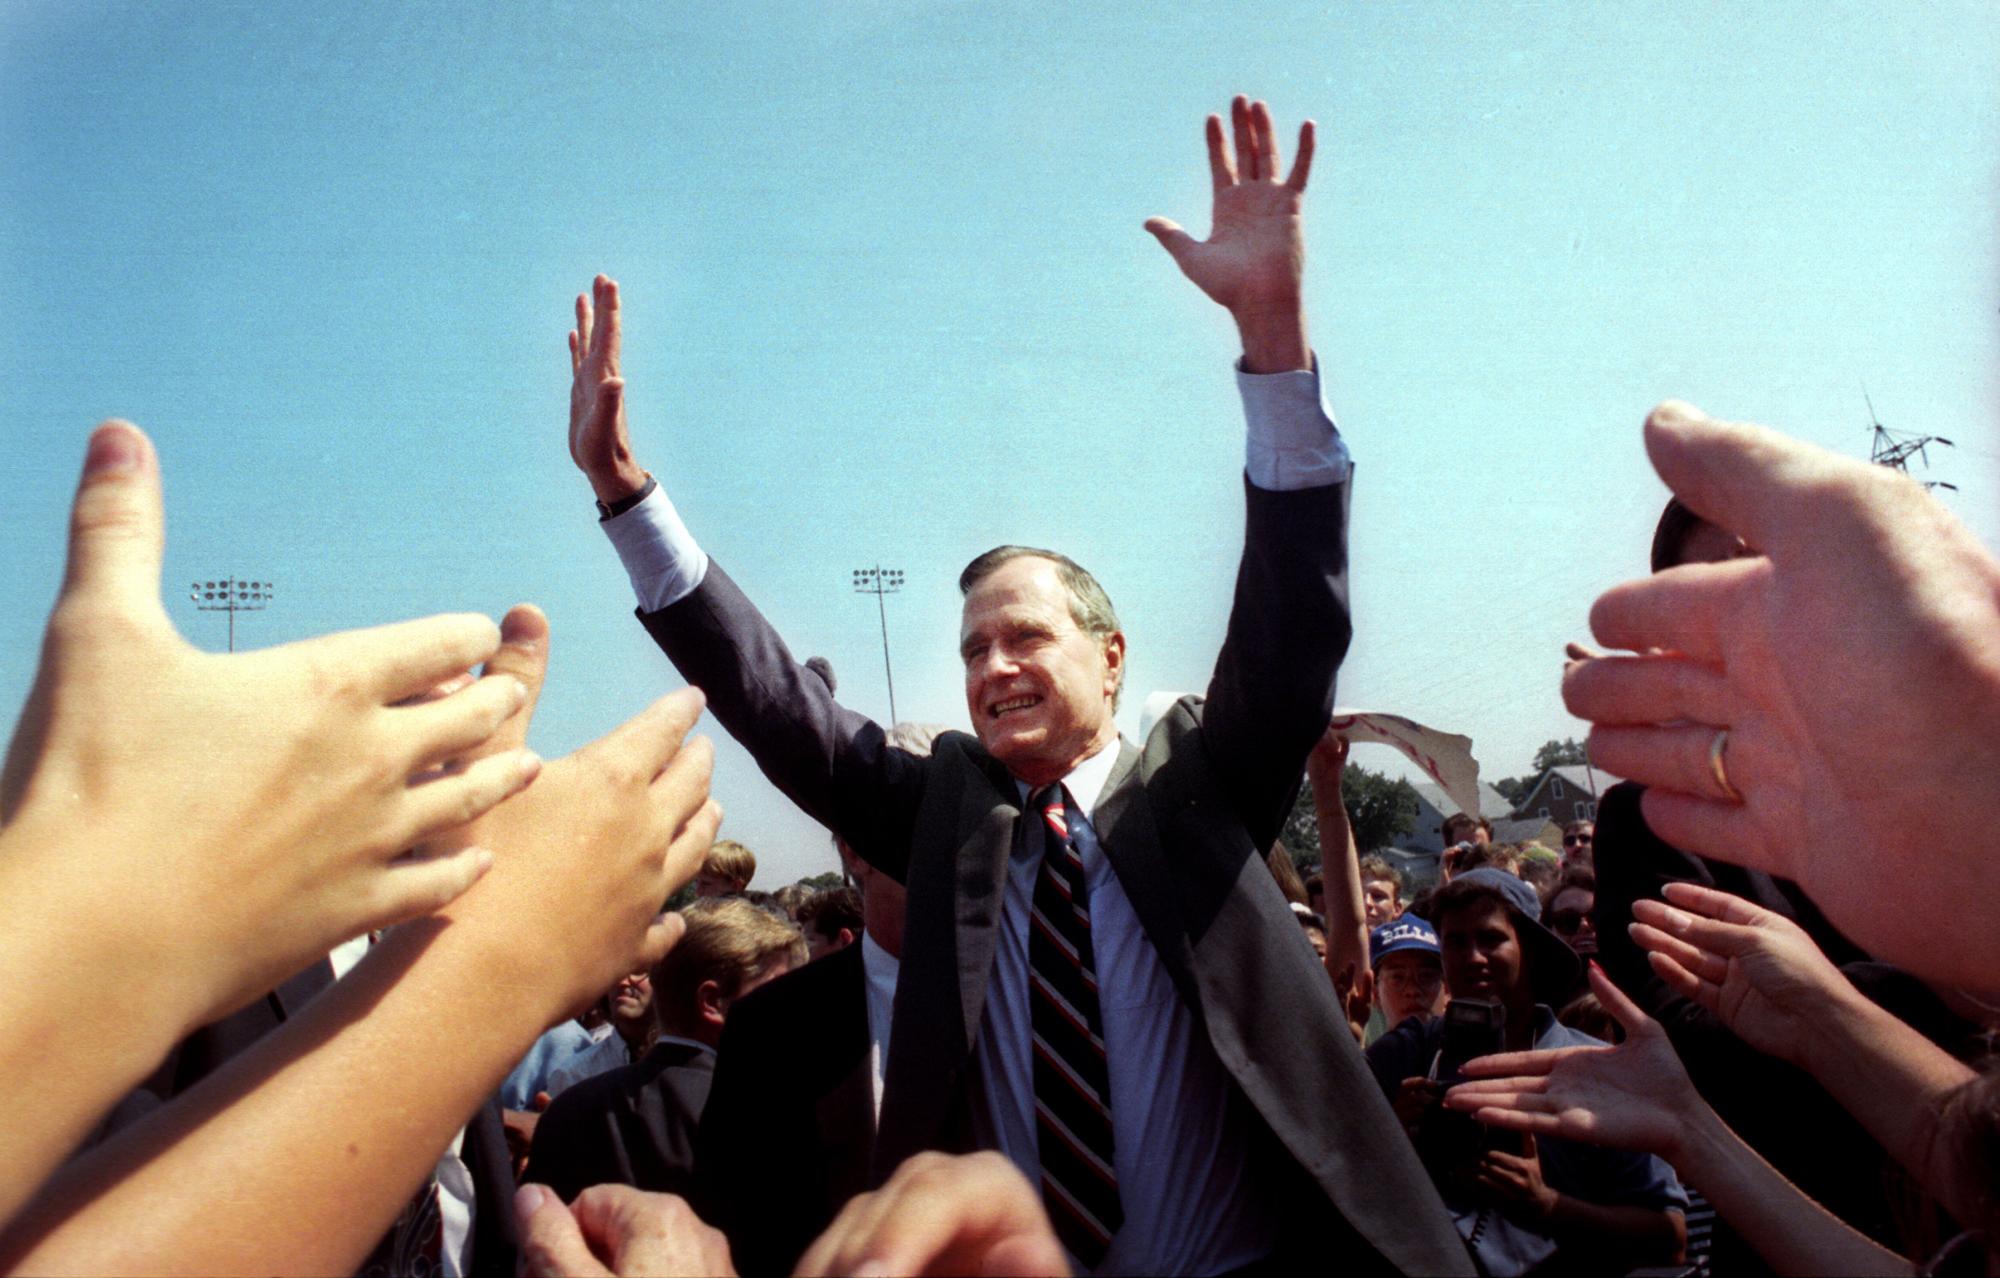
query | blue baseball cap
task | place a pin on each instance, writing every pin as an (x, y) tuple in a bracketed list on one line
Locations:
[(1405, 932)]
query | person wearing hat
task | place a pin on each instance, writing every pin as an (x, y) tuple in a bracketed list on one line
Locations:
[(1521, 1204), (1409, 972)]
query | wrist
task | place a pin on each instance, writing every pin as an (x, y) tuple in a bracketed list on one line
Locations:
[(1273, 331), (616, 479)]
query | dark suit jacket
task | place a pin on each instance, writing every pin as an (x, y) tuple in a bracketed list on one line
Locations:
[(495, 1241), (1778, 1109), (630, 1126), (789, 1131), (1185, 822)]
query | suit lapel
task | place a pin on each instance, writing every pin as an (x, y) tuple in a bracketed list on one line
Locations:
[(1131, 841)]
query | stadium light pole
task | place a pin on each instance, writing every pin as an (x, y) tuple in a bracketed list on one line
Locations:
[(231, 595), (879, 581)]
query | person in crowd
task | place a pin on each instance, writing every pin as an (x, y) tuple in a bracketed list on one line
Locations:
[(1570, 907), (1579, 838), (1343, 904), (321, 1133), (1504, 857), (792, 898), (1314, 928), (636, 1125), (1541, 870), (1286, 874), (789, 1134), (1043, 803), (629, 1009), (1466, 827), (1409, 972), (728, 872), (1549, 1203), (831, 920), (1381, 891)]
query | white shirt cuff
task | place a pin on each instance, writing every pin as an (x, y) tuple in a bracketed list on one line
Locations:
[(659, 553), (1291, 441)]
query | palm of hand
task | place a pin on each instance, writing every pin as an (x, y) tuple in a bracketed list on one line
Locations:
[(1629, 1097), (596, 416), (1767, 991), (1255, 251)]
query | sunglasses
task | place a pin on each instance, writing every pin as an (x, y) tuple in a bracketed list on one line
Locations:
[(1575, 838), (1566, 920)]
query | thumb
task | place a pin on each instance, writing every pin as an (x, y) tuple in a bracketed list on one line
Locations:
[(524, 654), (117, 528), (610, 397), (550, 1239), (539, 1103), (1749, 480), (1528, 1145), (1176, 241)]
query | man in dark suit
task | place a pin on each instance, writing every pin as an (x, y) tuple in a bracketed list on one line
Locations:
[(789, 1133), (1101, 980), (635, 1125)]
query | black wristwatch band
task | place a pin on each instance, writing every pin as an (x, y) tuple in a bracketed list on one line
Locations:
[(624, 504)]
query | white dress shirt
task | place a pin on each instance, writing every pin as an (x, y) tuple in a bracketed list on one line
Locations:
[(881, 969)]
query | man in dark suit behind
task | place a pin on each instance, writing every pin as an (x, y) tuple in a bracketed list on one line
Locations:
[(636, 1125), (789, 1133), (1226, 1119)]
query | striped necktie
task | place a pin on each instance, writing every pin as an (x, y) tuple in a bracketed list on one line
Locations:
[(1072, 1086)]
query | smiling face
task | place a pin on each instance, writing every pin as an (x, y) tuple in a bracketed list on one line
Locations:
[(1040, 689)]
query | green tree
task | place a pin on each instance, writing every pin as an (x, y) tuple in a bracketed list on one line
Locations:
[(821, 882), (1378, 808), (1558, 754), (1513, 789)]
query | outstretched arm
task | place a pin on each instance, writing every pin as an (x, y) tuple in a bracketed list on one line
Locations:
[(1637, 1096), (1272, 690), (1340, 873), (1762, 975)]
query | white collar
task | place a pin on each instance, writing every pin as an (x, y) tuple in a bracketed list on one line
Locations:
[(1086, 780)]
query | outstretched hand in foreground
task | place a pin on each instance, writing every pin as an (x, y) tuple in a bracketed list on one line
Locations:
[(1253, 261), (1862, 642), (180, 831)]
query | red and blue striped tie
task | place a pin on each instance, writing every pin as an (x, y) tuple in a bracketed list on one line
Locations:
[(1072, 1086)]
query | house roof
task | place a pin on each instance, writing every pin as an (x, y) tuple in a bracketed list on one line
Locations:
[(1579, 777), (1492, 804)]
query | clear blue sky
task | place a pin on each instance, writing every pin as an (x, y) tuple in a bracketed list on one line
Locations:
[(885, 276)]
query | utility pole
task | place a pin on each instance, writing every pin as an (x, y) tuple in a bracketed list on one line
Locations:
[(232, 596), (879, 581)]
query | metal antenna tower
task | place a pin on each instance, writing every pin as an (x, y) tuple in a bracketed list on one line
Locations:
[(1895, 448)]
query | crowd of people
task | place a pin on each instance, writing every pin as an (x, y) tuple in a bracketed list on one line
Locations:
[(390, 994)]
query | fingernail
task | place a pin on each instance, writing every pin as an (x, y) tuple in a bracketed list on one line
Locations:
[(520, 692), (531, 765), (528, 1200), (113, 450), (872, 1268), (482, 861)]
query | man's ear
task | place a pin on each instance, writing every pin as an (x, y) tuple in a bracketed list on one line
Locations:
[(711, 1006), (847, 937), (1114, 662)]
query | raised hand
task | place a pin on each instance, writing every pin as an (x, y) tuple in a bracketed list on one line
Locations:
[(586, 859), (1633, 1096), (224, 820), (637, 1233), (599, 443), (1862, 642), (940, 1214), (1253, 260), (1758, 971)]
